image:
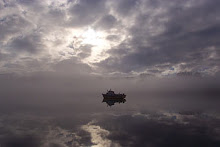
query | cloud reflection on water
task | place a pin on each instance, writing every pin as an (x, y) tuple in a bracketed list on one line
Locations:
[(118, 126)]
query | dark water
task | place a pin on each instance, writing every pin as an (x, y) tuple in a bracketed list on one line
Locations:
[(140, 121)]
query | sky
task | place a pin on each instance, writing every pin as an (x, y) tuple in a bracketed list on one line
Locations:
[(109, 37), (58, 56)]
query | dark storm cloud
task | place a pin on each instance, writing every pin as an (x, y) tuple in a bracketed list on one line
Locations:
[(187, 36)]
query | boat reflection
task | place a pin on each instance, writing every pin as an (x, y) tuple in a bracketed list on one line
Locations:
[(111, 102)]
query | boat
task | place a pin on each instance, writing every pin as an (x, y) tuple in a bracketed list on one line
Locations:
[(111, 98), (111, 95)]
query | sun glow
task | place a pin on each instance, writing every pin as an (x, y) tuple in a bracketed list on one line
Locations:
[(91, 37), (99, 43)]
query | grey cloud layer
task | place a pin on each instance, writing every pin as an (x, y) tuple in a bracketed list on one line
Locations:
[(188, 35), (180, 35), (86, 12)]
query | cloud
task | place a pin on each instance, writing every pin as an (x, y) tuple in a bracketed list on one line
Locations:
[(106, 22), (30, 44), (12, 25), (169, 34), (85, 12), (125, 7), (137, 36), (72, 66), (113, 37), (84, 51)]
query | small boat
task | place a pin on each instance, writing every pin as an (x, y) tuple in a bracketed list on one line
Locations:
[(112, 96)]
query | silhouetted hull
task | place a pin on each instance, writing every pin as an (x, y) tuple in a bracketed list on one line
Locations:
[(114, 97), (115, 100)]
